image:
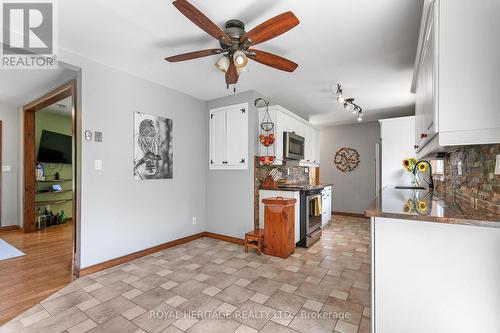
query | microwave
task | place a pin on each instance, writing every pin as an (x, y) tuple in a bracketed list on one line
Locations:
[(293, 146)]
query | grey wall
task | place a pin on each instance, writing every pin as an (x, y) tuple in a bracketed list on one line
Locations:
[(352, 191), (230, 196), (120, 215), (9, 118)]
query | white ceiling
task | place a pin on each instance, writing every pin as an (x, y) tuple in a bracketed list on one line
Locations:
[(367, 45), (18, 87), (61, 108)]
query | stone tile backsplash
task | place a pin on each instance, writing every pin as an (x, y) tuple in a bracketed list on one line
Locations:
[(478, 183)]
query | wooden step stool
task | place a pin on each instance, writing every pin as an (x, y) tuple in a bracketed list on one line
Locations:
[(254, 239)]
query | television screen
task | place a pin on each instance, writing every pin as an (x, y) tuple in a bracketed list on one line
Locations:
[(54, 148)]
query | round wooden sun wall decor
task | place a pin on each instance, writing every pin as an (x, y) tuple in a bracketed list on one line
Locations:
[(346, 159)]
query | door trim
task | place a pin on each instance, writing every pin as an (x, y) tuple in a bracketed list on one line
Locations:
[(68, 89)]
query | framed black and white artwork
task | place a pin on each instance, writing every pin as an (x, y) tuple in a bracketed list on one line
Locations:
[(153, 157)]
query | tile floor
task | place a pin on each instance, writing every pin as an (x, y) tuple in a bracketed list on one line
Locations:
[(213, 286)]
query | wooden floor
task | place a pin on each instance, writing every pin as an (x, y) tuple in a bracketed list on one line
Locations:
[(45, 268)]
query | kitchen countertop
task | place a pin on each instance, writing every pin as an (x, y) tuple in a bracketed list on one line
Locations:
[(294, 189), (428, 206)]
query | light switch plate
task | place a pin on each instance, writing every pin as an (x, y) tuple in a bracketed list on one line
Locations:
[(98, 165), (97, 136), (6, 168), (459, 167), (497, 166)]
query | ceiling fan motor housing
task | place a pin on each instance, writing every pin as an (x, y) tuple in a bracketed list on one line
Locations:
[(234, 29)]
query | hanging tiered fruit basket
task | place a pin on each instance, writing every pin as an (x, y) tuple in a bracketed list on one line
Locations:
[(266, 137)]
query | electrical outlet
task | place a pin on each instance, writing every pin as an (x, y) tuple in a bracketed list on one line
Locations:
[(195, 221), (6, 168), (459, 167), (98, 165)]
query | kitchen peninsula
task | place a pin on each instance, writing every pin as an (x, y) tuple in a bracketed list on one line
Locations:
[(437, 250)]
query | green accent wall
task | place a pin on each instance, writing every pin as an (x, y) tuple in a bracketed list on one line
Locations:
[(63, 125)]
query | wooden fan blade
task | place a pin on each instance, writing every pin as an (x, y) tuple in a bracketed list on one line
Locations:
[(198, 18), (231, 74), (271, 28), (272, 60), (193, 55)]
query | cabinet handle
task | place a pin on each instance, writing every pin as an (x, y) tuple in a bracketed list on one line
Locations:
[(242, 161), (415, 147), (211, 161), (243, 110), (224, 162), (423, 136)]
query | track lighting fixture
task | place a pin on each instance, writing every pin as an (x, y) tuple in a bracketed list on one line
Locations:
[(348, 103)]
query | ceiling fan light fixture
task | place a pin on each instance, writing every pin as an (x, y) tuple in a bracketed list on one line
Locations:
[(240, 70), (240, 59), (222, 64), (360, 115)]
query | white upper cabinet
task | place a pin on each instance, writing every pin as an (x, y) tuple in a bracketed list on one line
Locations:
[(455, 80), (286, 121), (229, 137)]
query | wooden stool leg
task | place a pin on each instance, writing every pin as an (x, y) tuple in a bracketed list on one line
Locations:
[(259, 246), (246, 245)]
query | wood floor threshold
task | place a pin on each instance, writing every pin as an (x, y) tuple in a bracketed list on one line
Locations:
[(132, 256), (349, 214)]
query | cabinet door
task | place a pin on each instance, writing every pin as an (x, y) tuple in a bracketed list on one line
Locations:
[(316, 146), (309, 143), (217, 138), (237, 137)]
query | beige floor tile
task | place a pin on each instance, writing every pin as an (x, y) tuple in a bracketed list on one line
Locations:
[(273, 327), (150, 282), (235, 294), (313, 305), (83, 327), (314, 291), (132, 293), (133, 313), (201, 303), (201, 277), (111, 291), (88, 304), (259, 298), (261, 316), (59, 322), (245, 329), (345, 327), (288, 288), (210, 325), (226, 309), (305, 322), (175, 301), (93, 287), (105, 311), (189, 288), (211, 291), (285, 302), (35, 317), (116, 324), (265, 286), (152, 298), (242, 282), (169, 285), (185, 323), (339, 294), (164, 272), (66, 301), (269, 275), (163, 316)]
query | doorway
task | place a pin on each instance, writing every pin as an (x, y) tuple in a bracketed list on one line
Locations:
[(49, 164)]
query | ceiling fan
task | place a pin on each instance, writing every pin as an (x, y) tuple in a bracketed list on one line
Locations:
[(235, 42)]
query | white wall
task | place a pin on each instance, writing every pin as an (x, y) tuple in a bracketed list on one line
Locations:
[(398, 138), (120, 215), (230, 193), (9, 118), (352, 192)]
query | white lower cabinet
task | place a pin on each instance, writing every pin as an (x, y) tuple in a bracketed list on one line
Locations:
[(229, 137), (326, 200)]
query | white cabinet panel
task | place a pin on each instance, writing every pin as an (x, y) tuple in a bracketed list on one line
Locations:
[(217, 137), (237, 137), (229, 137)]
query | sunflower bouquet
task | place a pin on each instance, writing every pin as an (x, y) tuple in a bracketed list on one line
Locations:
[(409, 165)]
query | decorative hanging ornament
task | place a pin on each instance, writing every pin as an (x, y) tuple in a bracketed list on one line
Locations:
[(266, 136), (346, 159)]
